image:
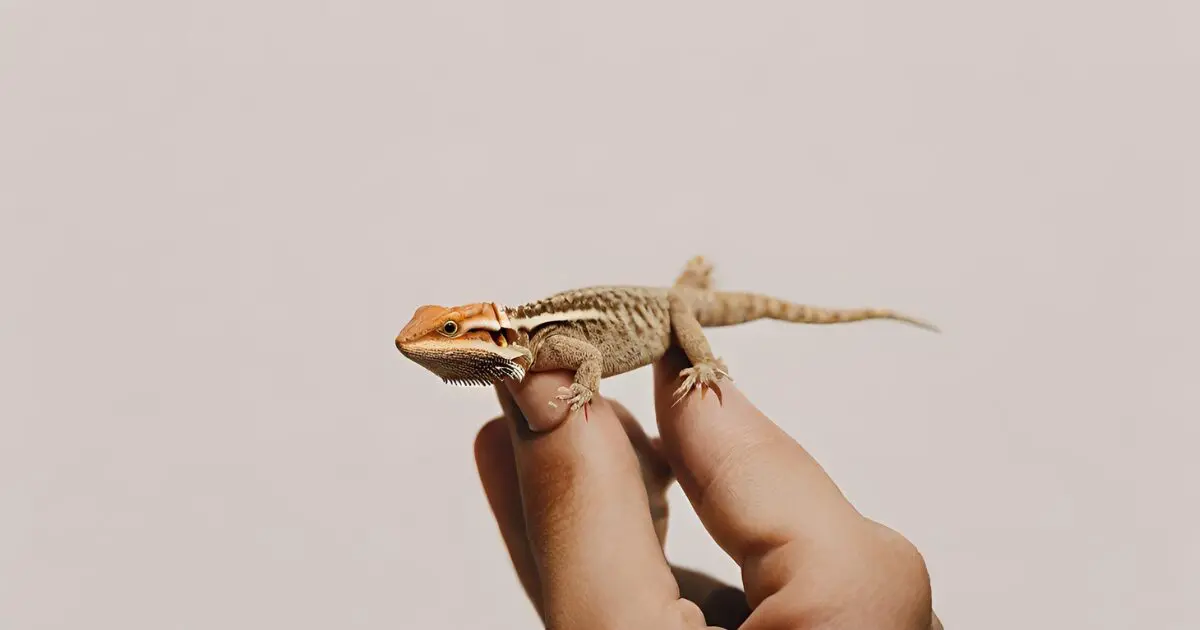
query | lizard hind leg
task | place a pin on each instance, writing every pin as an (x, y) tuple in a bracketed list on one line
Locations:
[(706, 368), (697, 274)]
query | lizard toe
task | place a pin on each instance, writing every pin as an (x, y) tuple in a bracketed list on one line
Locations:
[(699, 376), (575, 396)]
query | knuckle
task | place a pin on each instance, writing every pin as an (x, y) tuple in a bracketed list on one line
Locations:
[(905, 558)]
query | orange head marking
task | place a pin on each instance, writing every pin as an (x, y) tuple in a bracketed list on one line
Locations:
[(464, 345)]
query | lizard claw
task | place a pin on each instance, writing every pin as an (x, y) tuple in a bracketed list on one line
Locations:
[(576, 396), (700, 376)]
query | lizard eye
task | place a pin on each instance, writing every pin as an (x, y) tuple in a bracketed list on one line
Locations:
[(450, 327)]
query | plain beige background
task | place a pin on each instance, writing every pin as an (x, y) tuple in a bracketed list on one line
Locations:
[(217, 215)]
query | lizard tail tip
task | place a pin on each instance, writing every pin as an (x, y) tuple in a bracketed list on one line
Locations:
[(920, 323), (933, 328)]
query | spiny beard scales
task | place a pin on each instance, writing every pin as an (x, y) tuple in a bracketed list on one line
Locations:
[(468, 367)]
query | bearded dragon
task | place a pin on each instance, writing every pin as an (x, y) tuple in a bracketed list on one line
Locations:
[(600, 332)]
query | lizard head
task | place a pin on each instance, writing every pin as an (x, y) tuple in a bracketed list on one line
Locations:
[(463, 345)]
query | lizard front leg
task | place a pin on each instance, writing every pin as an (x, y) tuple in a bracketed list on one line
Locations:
[(562, 351), (706, 368)]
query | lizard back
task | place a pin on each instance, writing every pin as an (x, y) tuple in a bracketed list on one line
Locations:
[(630, 325)]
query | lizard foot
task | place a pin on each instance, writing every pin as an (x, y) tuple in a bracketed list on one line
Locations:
[(699, 376), (576, 396)]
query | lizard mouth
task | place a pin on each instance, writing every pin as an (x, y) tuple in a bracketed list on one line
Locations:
[(466, 366)]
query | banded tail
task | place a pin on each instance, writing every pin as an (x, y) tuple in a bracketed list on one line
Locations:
[(726, 308)]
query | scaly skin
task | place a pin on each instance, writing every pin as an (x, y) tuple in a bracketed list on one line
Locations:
[(599, 332)]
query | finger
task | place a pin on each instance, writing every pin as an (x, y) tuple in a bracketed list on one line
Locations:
[(498, 474), (586, 512), (753, 487)]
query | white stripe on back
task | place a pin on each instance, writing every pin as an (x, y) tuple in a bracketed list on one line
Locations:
[(529, 323)]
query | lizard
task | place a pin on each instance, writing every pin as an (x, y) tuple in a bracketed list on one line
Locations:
[(601, 331)]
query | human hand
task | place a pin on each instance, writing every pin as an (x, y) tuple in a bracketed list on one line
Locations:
[(582, 510)]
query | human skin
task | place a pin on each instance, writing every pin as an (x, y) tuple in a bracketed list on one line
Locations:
[(581, 507)]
